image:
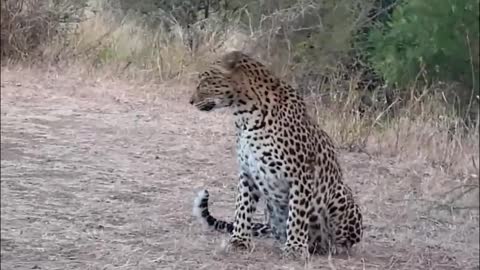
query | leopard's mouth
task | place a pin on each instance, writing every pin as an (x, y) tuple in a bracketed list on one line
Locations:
[(205, 106)]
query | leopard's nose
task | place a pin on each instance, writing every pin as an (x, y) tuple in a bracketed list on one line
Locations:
[(191, 101)]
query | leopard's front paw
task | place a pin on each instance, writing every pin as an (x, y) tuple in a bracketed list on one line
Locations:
[(295, 251), (241, 243)]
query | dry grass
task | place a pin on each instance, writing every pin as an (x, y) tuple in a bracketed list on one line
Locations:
[(24, 26), (423, 129), (130, 49), (100, 174)]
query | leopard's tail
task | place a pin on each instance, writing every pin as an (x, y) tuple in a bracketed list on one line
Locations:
[(200, 210)]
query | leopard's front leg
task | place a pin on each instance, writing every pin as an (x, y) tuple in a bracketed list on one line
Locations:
[(299, 203), (246, 202)]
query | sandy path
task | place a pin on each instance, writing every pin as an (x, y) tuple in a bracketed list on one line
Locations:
[(98, 175)]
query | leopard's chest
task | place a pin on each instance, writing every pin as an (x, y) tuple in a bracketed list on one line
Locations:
[(254, 154)]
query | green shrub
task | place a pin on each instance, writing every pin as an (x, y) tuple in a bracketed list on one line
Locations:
[(435, 39)]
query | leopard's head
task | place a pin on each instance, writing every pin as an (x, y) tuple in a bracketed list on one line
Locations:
[(235, 79), (215, 90)]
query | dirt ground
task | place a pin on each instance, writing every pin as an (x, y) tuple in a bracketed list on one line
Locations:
[(101, 174)]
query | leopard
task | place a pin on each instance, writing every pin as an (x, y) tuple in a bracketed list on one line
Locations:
[(283, 157)]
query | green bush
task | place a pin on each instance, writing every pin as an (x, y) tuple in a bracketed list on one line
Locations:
[(436, 39)]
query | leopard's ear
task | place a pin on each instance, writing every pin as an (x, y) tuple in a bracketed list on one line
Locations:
[(231, 60)]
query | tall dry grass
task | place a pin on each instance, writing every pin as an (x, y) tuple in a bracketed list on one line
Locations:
[(25, 25), (129, 47), (425, 130)]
